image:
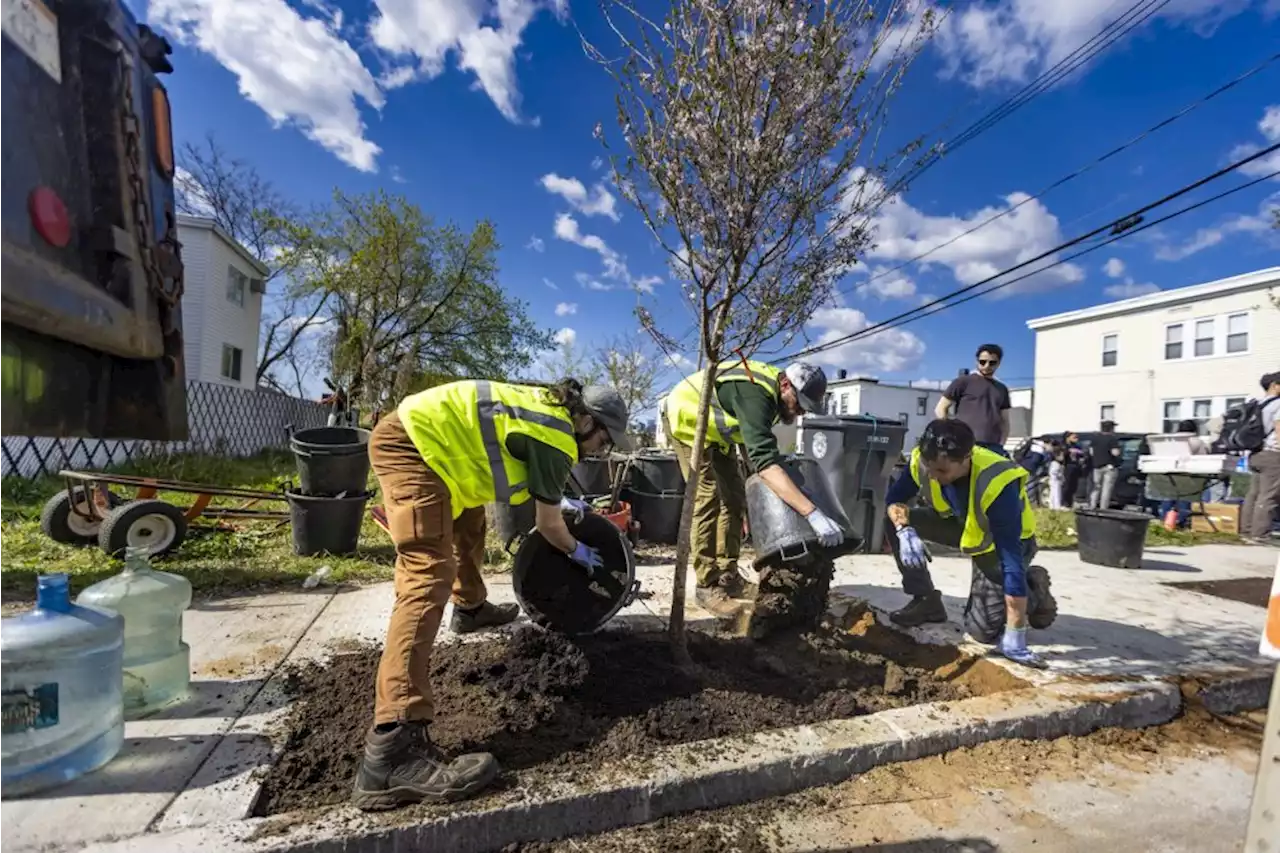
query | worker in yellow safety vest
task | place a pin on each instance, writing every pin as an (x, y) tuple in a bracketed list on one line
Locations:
[(439, 458), (973, 499), (750, 397)]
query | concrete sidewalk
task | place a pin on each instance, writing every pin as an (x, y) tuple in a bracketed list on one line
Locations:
[(198, 763)]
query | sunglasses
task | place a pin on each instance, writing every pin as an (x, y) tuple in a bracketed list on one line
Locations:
[(988, 361)]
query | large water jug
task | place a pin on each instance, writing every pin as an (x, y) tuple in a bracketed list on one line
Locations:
[(157, 664), (61, 669)]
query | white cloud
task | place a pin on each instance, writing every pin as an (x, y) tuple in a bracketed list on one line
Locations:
[(646, 283), (1012, 41), (551, 284), (678, 361), (902, 232), (299, 70), (1129, 289), (887, 285), (191, 193), (596, 202), (1260, 224), (1114, 268), (566, 337), (887, 351), (536, 244), (597, 163), (566, 228), (590, 282), (425, 32), (1269, 127), (564, 309), (394, 171)]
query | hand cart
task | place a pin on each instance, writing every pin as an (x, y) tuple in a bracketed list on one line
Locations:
[(87, 512)]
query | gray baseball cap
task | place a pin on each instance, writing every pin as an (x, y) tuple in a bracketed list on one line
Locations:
[(810, 384), (606, 406)]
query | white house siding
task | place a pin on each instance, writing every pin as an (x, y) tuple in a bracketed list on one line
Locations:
[(893, 402), (195, 260), (1072, 386), (227, 322)]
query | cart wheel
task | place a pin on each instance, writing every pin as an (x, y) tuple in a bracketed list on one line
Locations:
[(62, 524), (155, 525)]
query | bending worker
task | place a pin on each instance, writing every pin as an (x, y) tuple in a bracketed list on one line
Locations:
[(974, 499), (750, 397), (439, 458)]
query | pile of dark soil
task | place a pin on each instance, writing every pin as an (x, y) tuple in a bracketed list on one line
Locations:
[(789, 597), (537, 699)]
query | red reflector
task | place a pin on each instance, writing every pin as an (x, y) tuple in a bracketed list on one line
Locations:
[(49, 216)]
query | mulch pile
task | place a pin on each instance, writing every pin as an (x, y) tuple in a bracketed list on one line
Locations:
[(539, 699)]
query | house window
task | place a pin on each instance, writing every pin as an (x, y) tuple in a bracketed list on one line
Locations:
[(231, 362), (1173, 342), (1110, 350), (844, 404), (1172, 414), (902, 416), (1200, 413), (1204, 337), (237, 285), (1106, 412), (922, 405), (1237, 333)]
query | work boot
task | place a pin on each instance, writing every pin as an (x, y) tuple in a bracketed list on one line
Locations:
[(716, 598), (403, 766), (1046, 606), (921, 609), (734, 584), (487, 615)]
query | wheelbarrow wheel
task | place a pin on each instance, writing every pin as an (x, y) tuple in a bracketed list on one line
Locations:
[(154, 525), (61, 523)]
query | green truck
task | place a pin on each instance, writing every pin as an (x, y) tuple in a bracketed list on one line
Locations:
[(92, 267)]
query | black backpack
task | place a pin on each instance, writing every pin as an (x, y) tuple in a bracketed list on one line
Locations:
[(1243, 428)]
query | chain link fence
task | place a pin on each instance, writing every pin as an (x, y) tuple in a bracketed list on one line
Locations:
[(222, 420)]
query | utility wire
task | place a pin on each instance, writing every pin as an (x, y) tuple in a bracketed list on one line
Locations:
[(1189, 108), (1117, 227)]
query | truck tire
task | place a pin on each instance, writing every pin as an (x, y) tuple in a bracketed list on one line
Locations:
[(155, 525)]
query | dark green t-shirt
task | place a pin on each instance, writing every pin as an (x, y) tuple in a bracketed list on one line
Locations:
[(548, 467), (756, 411)]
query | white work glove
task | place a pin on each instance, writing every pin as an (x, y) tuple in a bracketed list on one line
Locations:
[(829, 533), (1013, 645), (911, 549), (575, 507)]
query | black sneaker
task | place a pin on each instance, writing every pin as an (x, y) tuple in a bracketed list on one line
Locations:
[(403, 766), (1046, 606), (487, 615), (921, 609)]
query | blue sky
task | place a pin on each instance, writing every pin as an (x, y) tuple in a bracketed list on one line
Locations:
[(476, 109)]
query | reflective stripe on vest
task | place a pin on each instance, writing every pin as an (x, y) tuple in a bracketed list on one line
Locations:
[(989, 475), (486, 408), (682, 402)]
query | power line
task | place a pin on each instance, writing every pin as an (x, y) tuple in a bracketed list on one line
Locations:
[(1189, 108), (1107, 36), (1118, 227)]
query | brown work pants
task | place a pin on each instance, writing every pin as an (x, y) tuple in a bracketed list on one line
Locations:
[(719, 505), (420, 516)]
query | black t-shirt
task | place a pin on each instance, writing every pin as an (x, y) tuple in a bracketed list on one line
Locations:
[(979, 402), (1105, 450)]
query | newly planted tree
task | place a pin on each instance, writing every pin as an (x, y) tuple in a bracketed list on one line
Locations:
[(749, 134)]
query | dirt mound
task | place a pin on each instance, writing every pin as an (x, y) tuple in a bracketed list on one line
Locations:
[(790, 597), (537, 699)]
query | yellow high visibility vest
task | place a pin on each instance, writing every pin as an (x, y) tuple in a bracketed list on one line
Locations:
[(991, 473), (461, 431), (681, 404)]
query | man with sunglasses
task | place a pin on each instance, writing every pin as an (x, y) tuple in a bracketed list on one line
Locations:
[(981, 400), (976, 500)]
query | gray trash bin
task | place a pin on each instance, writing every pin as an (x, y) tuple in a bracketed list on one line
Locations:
[(857, 453)]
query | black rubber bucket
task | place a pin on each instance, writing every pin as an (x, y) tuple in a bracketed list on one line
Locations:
[(326, 525), (1111, 537), (559, 595), (332, 460), (779, 533), (657, 515), (594, 476)]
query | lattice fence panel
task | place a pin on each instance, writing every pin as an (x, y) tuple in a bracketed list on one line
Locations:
[(222, 420)]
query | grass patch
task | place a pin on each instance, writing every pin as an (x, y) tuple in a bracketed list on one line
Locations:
[(1056, 529), (233, 557)]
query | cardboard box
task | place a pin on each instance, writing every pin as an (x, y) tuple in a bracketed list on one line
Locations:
[(1225, 518)]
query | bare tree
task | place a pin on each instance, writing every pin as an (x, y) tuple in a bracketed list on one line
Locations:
[(567, 360), (631, 364), (212, 184), (751, 130)]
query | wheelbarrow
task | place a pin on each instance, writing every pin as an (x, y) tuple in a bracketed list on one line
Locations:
[(87, 512)]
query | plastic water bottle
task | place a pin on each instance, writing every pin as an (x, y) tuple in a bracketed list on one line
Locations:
[(317, 577), (61, 670), (157, 664)]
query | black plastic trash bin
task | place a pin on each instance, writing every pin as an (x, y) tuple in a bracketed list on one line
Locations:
[(857, 454), (656, 494), (1111, 537), (332, 460)]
